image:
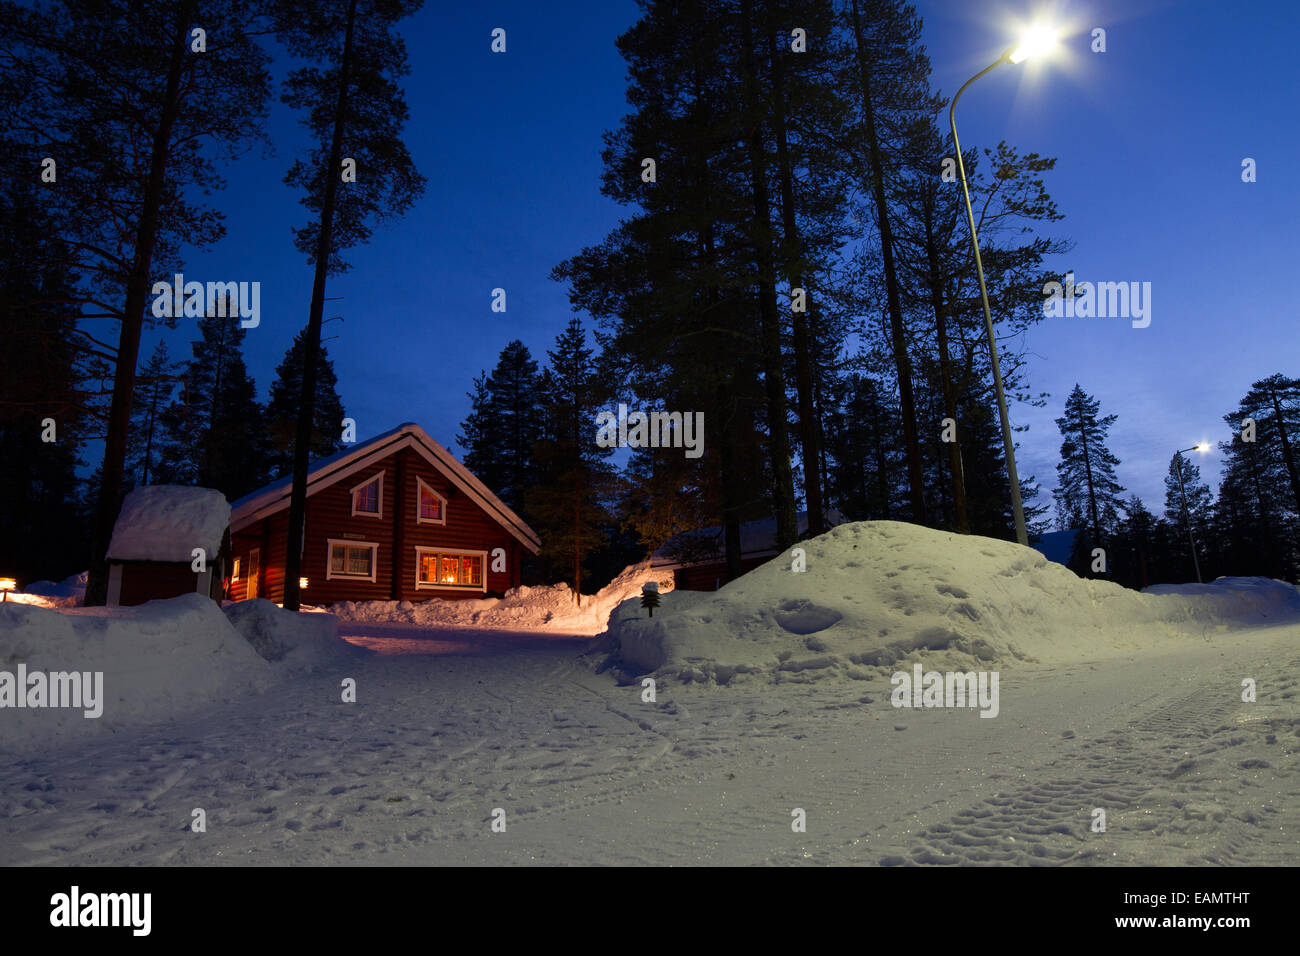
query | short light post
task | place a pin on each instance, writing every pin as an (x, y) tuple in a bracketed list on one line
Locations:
[(7, 585), (1035, 42), (1182, 493)]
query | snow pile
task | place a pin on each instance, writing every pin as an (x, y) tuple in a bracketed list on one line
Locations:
[(299, 642), (167, 522), (67, 593), (547, 607), (877, 596), (158, 660)]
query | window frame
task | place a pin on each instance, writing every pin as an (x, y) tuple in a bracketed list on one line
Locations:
[(235, 568), (420, 486), (481, 587), (332, 575), (379, 497)]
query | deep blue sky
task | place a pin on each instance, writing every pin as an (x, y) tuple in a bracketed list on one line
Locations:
[(1150, 137)]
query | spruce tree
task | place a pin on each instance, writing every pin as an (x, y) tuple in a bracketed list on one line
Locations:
[(282, 408), (504, 426), (1086, 472), (215, 431), (569, 506), (155, 385)]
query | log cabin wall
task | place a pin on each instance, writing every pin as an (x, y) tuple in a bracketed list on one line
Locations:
[(397, 532)]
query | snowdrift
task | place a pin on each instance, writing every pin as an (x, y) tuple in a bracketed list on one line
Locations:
[(880, 594), (548, 607), (300, 642), (160, 660)]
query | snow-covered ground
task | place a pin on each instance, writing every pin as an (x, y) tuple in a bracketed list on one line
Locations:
[(1127, 703)]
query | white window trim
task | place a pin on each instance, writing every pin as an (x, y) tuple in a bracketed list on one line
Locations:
[(331, 574), (460, 553), (352, 495), (422, 485)]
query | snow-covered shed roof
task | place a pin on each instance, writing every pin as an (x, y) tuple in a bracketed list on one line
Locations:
[(323, 473), (167, 522)]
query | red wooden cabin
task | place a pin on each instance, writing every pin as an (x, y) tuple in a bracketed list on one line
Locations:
[(393, 518)]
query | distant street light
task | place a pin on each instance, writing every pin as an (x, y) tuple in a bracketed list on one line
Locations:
[(1036, 42), (1182, 492)]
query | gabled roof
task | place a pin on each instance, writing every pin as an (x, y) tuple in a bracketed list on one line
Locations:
[(322, 474)]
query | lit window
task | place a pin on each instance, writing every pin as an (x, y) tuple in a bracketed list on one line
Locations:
[(433, 506), (350, 559), (234, 571), (367, 498), (440, 569)]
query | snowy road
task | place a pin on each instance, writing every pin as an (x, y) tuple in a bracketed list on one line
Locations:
[(451, 724)]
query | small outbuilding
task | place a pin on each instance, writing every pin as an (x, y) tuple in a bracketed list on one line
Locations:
[(169, 540)]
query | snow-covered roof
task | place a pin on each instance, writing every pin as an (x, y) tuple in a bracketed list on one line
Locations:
[(167, 522), (323, 473), (706, 545)]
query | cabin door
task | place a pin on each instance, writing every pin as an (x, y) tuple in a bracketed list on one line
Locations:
[(254, 566)]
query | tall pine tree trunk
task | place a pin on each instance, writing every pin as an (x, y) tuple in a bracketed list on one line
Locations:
[(902, 361), (787, 529), (955, 468), (311, 341), (792, 253), (128, 346)]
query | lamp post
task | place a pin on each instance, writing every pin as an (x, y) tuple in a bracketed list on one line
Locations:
[(1182, 493), (1035, 42)]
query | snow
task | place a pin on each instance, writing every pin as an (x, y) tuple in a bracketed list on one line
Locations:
[(301, 642), (1117, 701), (167, 522), (545, 607), (885, 594), (66, 593), (160, 661)]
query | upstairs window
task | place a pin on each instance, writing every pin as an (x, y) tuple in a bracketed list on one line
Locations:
[(432, 506), (368, 498)]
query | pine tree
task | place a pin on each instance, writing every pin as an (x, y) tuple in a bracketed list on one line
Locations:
[(504, 425), (116, 91), (569, 506), (215, 431), (1086, 471), (155, 386), (349, 96), (1198, 511), (282, 408)]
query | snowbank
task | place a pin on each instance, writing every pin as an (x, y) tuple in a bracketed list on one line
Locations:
[(167, 522), (300, 642), (158, 660), (880, 594), (548, 607)]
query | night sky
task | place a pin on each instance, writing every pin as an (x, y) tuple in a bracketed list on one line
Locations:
[(1150, 137)]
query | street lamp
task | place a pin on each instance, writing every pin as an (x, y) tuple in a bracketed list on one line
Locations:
[(1036, 41), (1187, 515)]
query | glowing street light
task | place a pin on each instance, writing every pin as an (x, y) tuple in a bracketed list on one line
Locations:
[(7, 585), (1187, 515), (1036, 42)]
